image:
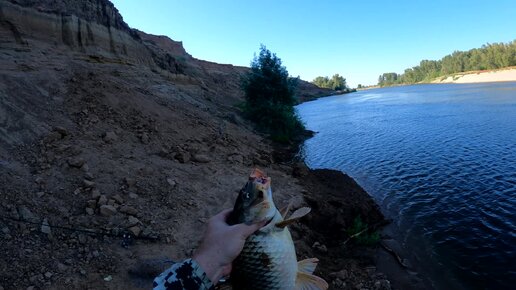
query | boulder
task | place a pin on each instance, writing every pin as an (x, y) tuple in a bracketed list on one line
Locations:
[(76, 162), (61, 130), (102, 200), (145, 138), (136, 230), (382, 285), (110, 137), (88, 183), (236, 158), (92, 203), (118, 198), (88, 176), (26, 215), (95, 193), (201, 158), (107, 210), (172, 182), (182, 157), (129, 181), (132, 221), (52, 137), (128, 210), (45, 227)]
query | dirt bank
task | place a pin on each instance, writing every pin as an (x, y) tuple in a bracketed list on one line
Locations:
[(106, 131)]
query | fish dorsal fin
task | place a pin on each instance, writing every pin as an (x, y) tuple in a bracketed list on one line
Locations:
[(294, 217), (306, 281), (307, 265), (284, 210)]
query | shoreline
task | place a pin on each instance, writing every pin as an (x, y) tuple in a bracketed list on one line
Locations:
[(383, 259), (469, 77), (422, 273), (472, 77)]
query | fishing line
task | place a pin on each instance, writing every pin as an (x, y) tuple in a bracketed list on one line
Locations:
[(127, 237)]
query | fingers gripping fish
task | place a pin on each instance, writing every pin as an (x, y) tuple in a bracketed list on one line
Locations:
[(268, 260)]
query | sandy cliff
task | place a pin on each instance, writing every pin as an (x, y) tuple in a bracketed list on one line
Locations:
[(501, 75), (110, 130)]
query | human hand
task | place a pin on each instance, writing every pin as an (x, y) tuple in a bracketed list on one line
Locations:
[(221, 244)]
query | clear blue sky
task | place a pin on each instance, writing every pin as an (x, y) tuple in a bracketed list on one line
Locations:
[(357, 39)]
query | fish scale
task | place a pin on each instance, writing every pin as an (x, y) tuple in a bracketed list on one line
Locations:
[(267, 261)]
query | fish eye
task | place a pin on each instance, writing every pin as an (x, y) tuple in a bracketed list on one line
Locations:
[(246, 195)]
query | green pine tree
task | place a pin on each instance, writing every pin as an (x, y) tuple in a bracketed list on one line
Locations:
[(269, 94)]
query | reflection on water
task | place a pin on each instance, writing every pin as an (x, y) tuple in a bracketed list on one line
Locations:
[(440, 160)]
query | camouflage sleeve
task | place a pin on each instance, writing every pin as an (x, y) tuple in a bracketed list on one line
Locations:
[(186, 275)]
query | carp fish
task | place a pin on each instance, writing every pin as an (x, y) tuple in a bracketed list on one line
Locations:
[(268, 260)]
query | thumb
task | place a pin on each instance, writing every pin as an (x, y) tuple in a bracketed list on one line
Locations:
[(247, 230)]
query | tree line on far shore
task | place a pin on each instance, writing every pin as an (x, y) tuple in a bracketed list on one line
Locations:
[(488, 57), (336, 82)]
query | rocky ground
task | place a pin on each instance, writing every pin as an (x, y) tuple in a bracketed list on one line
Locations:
[(107, 131)]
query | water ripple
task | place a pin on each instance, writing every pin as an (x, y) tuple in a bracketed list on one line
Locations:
[(441, 161)]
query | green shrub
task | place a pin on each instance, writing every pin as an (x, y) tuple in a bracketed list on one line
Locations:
[(269, 94)]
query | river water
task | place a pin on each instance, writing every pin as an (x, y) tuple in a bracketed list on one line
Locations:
[(441, 162)]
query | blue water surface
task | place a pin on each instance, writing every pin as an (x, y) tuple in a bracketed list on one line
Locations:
[(441, 161)]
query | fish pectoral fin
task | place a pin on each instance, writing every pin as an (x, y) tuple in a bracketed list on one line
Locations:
[(294, 217), (307, 265), (306, 281), (284, 210)]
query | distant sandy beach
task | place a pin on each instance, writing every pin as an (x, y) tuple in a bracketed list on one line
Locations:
[(504, 75)]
